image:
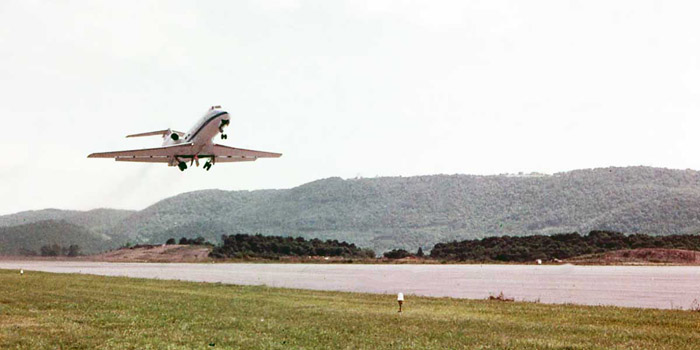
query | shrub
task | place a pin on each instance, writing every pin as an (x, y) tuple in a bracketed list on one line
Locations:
[(397, 254)]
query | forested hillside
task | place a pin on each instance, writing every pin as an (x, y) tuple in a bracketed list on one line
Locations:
[(98, 220), (409, 212)]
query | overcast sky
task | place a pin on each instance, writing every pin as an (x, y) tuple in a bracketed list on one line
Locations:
[(342, 88)]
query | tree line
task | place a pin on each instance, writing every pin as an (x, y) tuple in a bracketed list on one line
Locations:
[(557, 246), (273, 247)]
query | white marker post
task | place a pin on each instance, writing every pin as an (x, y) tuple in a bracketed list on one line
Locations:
[(21, 272), (399, 298)]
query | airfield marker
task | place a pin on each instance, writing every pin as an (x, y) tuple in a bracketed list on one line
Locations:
[(399, 298), (21, 272)]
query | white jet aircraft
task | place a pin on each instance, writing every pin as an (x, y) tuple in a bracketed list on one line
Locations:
[(179, 147)]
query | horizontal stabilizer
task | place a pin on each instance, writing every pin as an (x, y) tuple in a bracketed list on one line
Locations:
[(157, 133)]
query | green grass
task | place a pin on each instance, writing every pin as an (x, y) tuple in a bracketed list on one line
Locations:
[(57, 311)]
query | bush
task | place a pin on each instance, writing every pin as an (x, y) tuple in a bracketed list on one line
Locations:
[(58, 250), (73, 250), (51, 250), (193, 241), (397, 254)]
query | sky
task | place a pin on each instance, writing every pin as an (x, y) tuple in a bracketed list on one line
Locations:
[(342, 88)]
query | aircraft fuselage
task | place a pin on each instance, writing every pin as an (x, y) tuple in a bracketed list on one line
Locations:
[(205, 130)]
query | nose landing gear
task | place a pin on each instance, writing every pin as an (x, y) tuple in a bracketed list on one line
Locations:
[(223, 123), (182, 166)]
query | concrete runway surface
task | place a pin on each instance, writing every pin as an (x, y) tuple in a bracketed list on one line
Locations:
[(664, 287)]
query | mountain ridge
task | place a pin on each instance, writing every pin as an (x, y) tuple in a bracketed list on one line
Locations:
[(407, 212)]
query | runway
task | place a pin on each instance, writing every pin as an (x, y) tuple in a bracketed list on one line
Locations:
[(663, 287)]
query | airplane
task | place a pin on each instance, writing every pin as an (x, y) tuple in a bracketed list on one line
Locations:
[(179, 147)]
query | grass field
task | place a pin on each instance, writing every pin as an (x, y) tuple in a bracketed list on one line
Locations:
[(57, 311)]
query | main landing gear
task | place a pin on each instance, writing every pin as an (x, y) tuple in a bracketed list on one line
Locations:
[(224, 136), (195, 160), (209, 163)]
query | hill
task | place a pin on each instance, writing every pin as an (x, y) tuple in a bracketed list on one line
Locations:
[(96, 220), (408, 212), (29, 238)]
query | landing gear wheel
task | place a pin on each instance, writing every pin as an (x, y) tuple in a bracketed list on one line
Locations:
[(224, 136), (182, 166), (207, 166)]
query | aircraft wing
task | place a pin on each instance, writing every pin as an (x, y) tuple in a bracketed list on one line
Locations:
[(223, 154), (148, 154), (220, 159), (144, 159), (221, 151)]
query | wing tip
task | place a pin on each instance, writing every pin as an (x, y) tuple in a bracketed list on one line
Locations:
[(99, 155)]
